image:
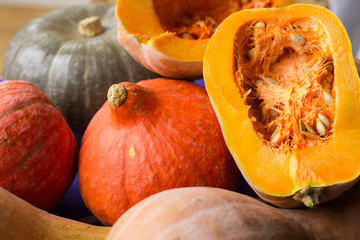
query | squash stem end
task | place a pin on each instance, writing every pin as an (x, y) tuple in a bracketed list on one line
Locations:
[(116, 95), (309, 196)]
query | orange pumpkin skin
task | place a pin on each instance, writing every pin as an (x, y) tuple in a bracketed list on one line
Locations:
[(37, 147), (306, 174), (165, 135), (147, 29)]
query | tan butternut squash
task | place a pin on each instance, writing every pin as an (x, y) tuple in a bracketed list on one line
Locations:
[(217, 214), (19, 220)]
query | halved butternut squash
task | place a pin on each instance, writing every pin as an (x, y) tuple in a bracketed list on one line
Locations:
[(286, 92), (169, 37)]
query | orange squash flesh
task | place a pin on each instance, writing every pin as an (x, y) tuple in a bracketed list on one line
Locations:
[(170, 37), (265, 82)]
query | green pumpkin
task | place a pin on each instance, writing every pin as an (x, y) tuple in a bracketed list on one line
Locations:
[(73, 70)]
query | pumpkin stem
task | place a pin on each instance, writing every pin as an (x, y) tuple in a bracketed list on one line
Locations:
[(90, 26), (116, 95), (310, 196)]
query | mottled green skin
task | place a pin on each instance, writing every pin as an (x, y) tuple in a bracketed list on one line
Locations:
[(74, 71)]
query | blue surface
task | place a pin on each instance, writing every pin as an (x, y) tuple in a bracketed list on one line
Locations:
[(200, 82), (72, 206)]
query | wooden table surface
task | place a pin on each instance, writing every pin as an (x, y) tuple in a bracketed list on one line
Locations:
[(13, 19)]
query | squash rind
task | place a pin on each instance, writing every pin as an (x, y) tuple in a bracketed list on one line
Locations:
[(147, 53)]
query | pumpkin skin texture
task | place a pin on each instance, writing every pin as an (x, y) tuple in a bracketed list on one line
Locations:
[(73, 70), (152, 31), (289, 167), (37, 147), (164, 135), (20, 220), (218, 214)]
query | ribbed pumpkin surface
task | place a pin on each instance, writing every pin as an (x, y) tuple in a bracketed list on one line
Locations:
[(37, 147), (73, 70), (165, 135)]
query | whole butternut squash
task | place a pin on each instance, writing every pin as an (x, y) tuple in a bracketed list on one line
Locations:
[(20, 220), (218, 214)]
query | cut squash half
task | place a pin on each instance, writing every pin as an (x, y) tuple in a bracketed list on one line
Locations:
[(170, 37), (285, 88)]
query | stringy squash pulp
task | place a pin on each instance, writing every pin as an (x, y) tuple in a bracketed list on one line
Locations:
[(285, 74), (286, 92), (197, 19)]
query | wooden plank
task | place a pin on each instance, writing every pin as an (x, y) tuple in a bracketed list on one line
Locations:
[(14, 18)]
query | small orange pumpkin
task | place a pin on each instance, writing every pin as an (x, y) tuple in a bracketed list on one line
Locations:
[(148, 137), (286, 92), (169, 37), (37, 147)]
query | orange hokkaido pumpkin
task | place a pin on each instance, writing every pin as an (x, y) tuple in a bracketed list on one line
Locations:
[(169, 37), (148, 137), (286, 92), (37, 147)]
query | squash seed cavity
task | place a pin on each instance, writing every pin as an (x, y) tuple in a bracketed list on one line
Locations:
[(198, 19), (285, 74)]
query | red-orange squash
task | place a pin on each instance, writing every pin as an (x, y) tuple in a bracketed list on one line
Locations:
[(286, 92), (37, 147), (169, 37), (148, 137)]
